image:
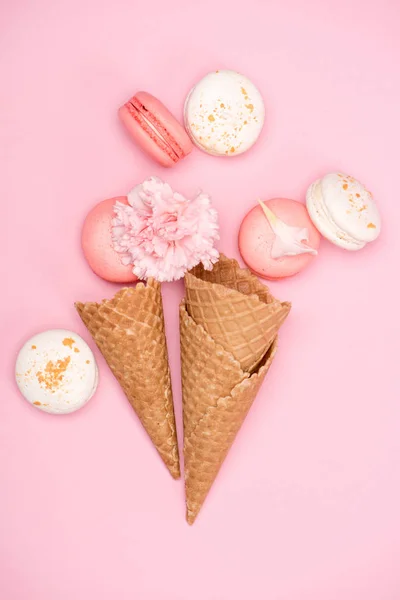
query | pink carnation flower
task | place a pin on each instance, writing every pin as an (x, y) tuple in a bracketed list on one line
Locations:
[(162, 233)]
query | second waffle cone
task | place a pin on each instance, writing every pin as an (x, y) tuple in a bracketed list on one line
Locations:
[(228, 323)]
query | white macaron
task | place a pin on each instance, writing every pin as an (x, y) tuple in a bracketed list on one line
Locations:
[(224, 113), (343, 211), (56, 371)]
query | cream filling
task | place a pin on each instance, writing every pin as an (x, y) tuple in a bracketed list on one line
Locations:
[(154, 129)]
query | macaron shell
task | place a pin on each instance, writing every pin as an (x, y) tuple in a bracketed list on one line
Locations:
[(56, 371), (224, 113), (190, 128), (97, 244), (150, 137), (324, 222), (351, 206), (168, 121), (144, 139), (256, 238)]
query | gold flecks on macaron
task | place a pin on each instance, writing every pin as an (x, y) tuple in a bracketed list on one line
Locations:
[(220, 121), (52, 375), (68, 342)]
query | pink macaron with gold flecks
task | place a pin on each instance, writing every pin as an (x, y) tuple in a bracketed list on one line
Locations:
[(155, 130), (98, 247), (278, 239)]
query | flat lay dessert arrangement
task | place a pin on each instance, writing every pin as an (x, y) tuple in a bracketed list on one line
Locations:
[(229, 320)]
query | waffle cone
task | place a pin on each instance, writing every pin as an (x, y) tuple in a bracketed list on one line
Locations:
[(224, 362), (129, 332), (237, 311)]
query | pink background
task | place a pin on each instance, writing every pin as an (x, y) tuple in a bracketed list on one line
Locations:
[(306, 506)]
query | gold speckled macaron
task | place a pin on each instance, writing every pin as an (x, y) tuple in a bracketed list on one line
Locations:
[(224, 113), (56, 371)]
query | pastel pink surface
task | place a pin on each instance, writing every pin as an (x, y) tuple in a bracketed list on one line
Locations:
[(256, 238), (148, 140), (97, 244), (306, 506)]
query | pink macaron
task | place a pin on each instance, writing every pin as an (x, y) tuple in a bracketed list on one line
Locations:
[(97, 244), (278, 239), (155, 130)]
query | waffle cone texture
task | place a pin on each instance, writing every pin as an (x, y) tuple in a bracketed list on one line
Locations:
[(229, 323), (129, 332)]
